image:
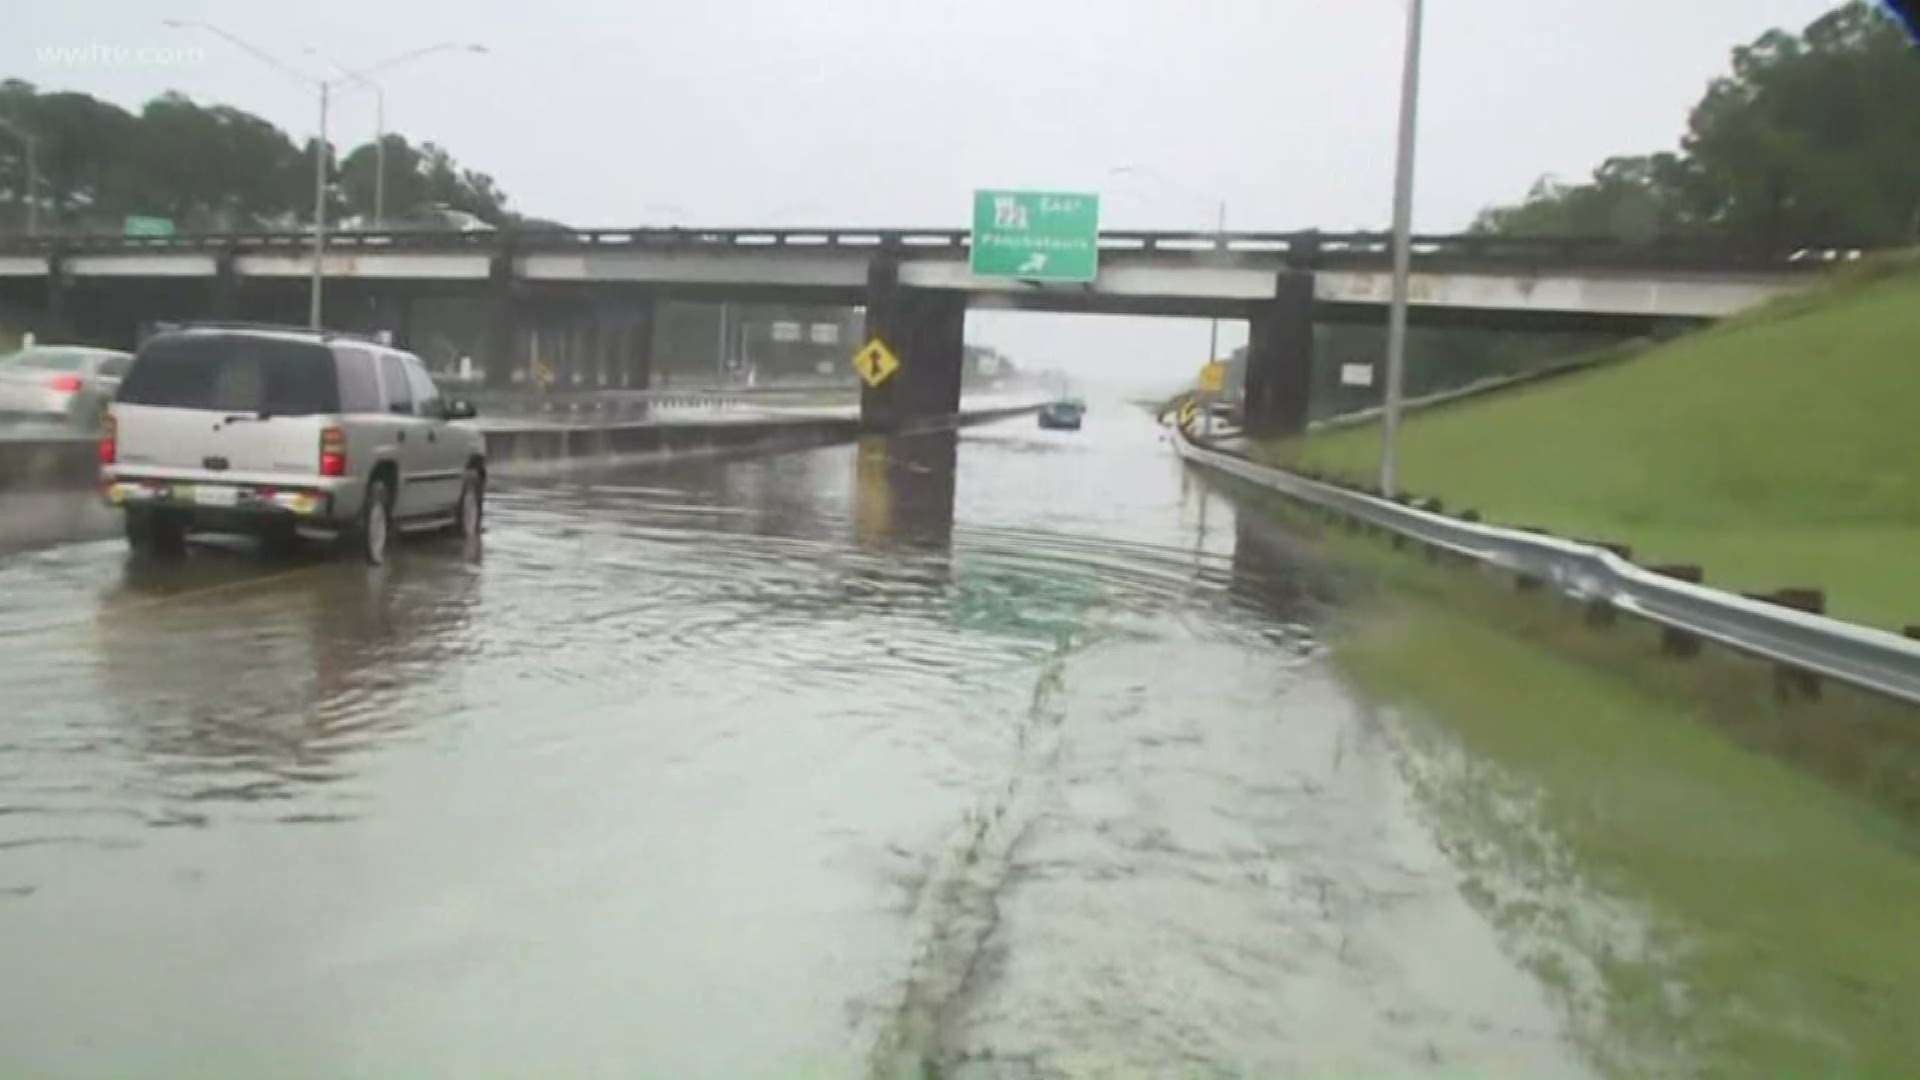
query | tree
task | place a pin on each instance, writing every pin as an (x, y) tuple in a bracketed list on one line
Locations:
[(419, 178), (206, 167), (1810, 139), (79, 140)]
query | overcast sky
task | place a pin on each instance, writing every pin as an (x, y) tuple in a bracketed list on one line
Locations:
[(890, 112)]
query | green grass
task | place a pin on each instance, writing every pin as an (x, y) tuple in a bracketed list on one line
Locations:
[(1768, 847), (1779, 449), (1785, 921)]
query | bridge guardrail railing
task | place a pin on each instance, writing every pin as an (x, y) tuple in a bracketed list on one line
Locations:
[(1305, 249), (1874, 660)]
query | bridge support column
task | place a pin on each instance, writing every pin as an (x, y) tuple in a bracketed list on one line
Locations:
[(926, 329), (224, 301), (592, 330), (1280, 358), (502, 347), (633, 360), (57, 323), (393, 314)]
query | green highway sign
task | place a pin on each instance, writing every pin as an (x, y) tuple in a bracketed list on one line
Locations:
[(141, 225), (1036, 235)]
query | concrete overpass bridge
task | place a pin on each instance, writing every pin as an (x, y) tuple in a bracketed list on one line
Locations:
[(603, 285)]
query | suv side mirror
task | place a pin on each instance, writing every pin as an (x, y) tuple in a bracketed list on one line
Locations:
[(461, 409)]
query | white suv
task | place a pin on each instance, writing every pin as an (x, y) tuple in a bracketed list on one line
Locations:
[(282, 432)]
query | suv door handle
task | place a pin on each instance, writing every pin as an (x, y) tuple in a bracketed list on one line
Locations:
[(403, 436), (433, 436)]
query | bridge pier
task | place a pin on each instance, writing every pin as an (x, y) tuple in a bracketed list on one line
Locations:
[(629, 362), (56, 324), (394, 314), (223, 300), (926, 329), (502, 345), (1280, 358)]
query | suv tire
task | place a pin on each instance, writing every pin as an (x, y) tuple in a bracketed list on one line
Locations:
[(469, 513), (155, 532), (374, 533)]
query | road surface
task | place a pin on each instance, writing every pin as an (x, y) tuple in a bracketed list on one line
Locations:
[(1010, 754)]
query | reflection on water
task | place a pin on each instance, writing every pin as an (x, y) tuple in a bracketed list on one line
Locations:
[(1011, 753)]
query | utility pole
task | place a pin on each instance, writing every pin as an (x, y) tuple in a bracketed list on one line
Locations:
[(1220, 238), (1402, 250), (325, 86), (319, 214)]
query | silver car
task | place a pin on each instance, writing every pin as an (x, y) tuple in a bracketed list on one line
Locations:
[(67, 384), (287, 432)]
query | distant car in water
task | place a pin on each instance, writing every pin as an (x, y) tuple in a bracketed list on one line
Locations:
[(1062, 415), (68, 384)]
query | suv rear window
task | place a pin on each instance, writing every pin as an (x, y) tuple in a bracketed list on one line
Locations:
[(234, 373)]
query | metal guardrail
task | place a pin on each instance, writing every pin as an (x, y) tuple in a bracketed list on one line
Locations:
[(1871, 659), (1304, 249)]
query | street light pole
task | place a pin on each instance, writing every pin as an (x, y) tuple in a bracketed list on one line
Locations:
[(379, 155), (319, 214), (1402, 251), (1213, 327), (325, 86), (365, 78)]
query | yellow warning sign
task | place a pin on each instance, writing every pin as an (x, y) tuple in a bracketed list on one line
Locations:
[(1187, 410), (1213, 377), (875, 362)]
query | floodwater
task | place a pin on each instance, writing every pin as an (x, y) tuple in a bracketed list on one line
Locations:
[(1010, 754)]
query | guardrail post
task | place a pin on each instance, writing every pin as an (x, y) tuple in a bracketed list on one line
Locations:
[(1679, 643), (1395, 536), (1600, 613), (1791, 683)]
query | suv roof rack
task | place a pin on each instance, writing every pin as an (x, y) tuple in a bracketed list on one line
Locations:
[(324, 333)]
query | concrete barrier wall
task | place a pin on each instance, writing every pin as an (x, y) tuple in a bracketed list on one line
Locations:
[(48, 463), (64, 463), (528, 446)]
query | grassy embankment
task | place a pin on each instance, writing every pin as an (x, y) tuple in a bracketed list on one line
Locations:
[(1765, 852), (1720, 882), (1778, 449)]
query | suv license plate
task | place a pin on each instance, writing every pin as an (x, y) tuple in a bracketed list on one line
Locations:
[(208, 495)]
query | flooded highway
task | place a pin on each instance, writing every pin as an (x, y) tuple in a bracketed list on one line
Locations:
[(1006, 754)]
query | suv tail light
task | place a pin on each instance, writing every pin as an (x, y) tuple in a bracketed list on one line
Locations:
[(65, 384), (333, 452), (109, 440)]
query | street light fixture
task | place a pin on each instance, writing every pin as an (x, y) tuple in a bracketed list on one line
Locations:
[(1402, 249), (326, 88), (33, 174), (365, 78)]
